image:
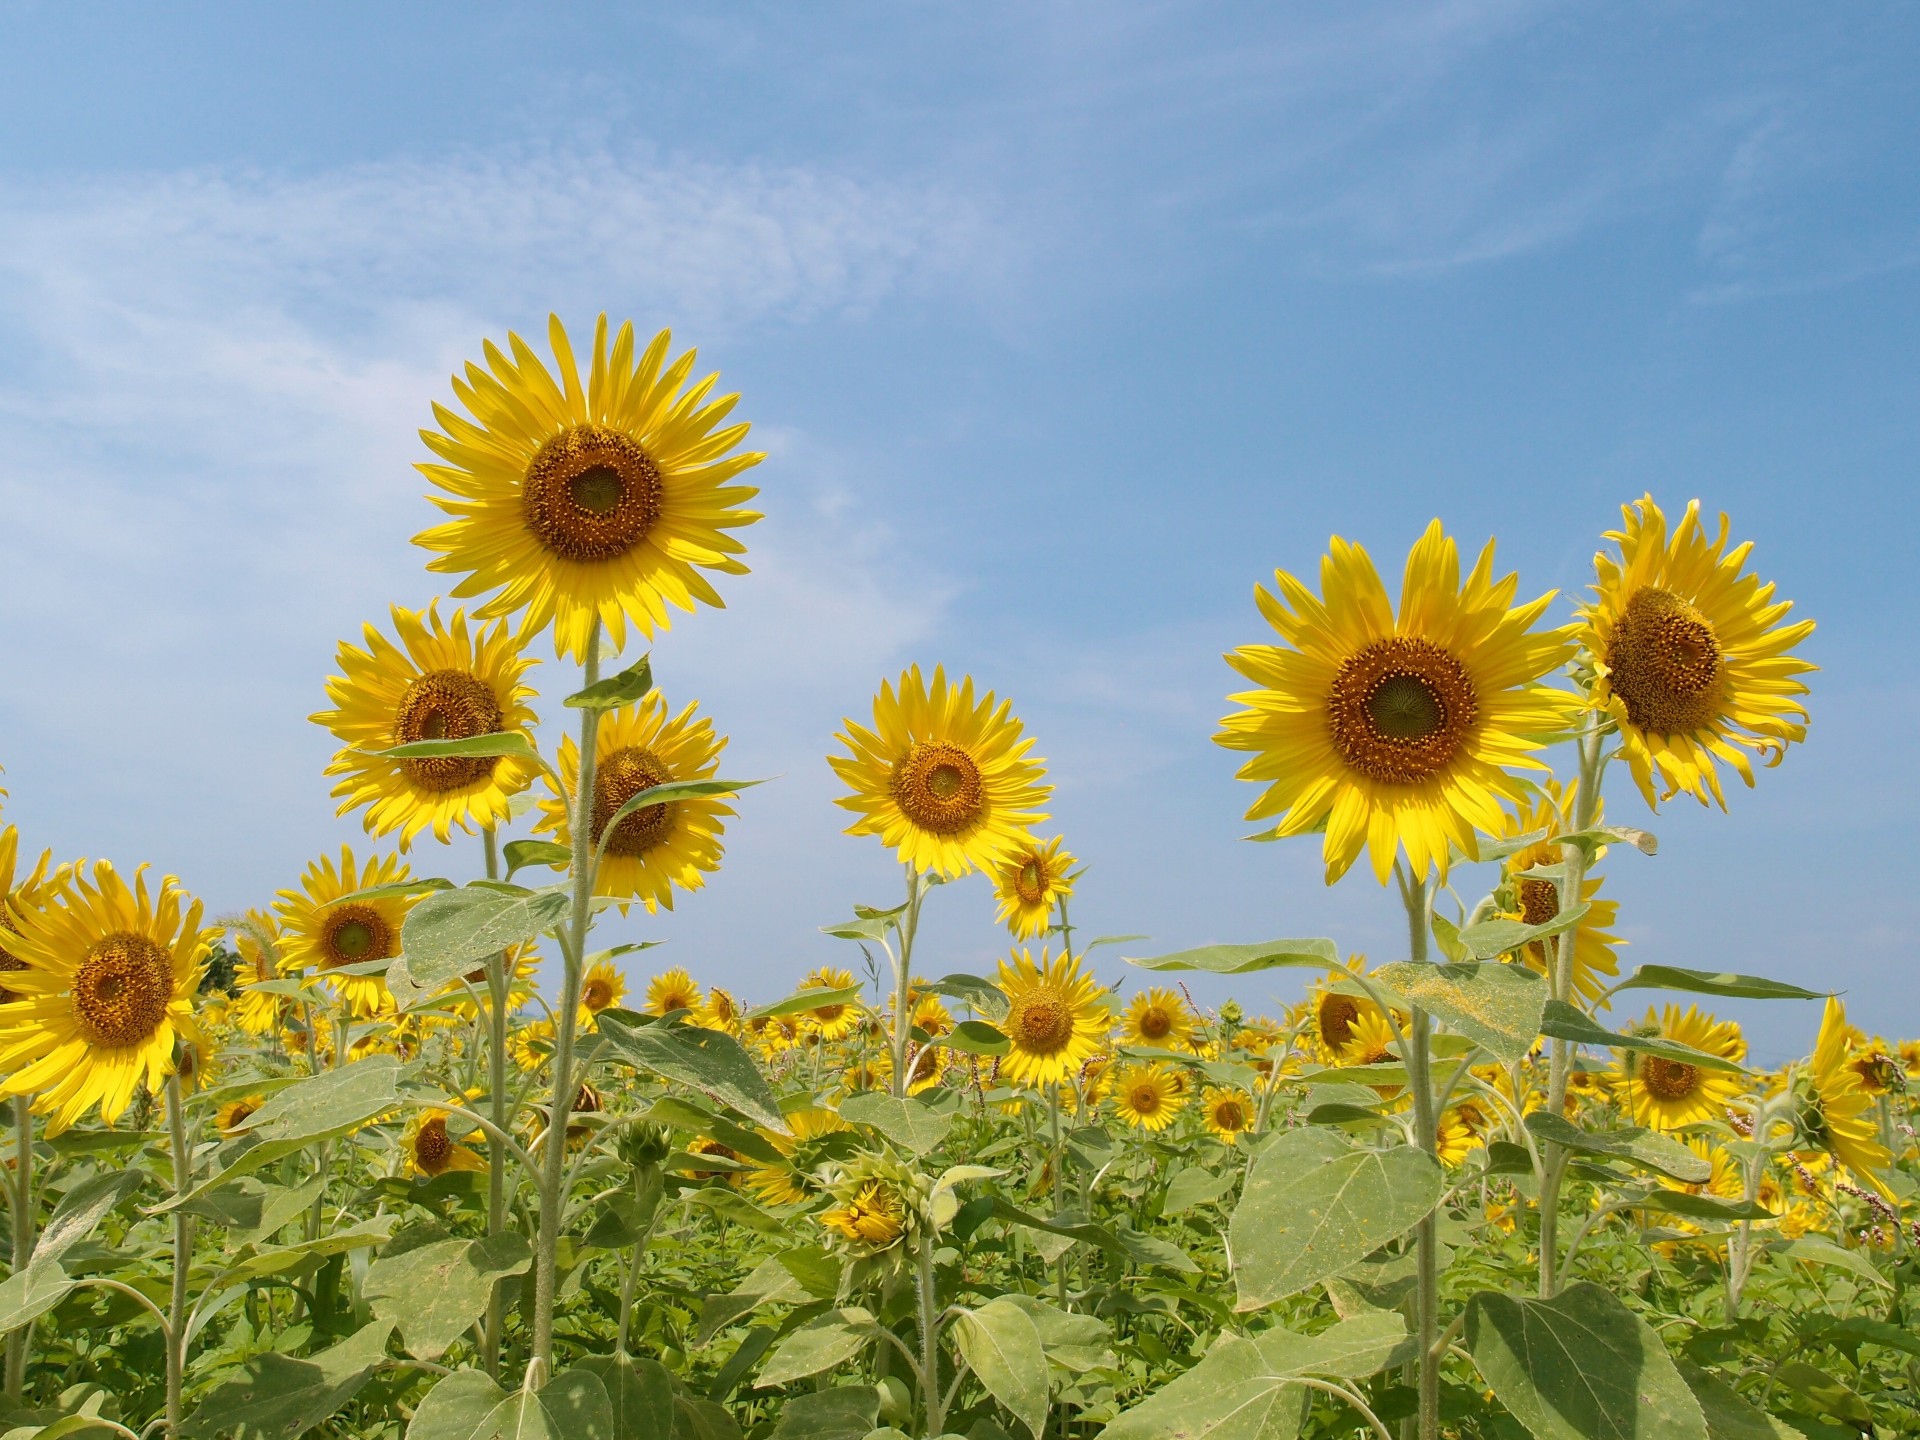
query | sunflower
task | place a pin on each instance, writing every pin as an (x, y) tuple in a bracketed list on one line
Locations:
[(1228, 1114), (431, 1150), (1146, 1097), (603, 988), (326, 930), (721, 1012), (672, 990), (1396, 733), (1536, 901), (578, 504), (470, 995), (1369, 1040), (231, 1116), (256, 939), (1331, 1015), (1669, 1094), (27, 895), (1459, 1133), (873, 1216), (789, 1183), (1056, 1020), (931, 1016), (943, 780), (1028, 882), (1837, 1117), (829, 1022), (1690, 655), (1157, 1017), (704, 1146), (442, 681), (773, 1036), (105, 993), (656, 847), (530, 1045), (929, 1068)]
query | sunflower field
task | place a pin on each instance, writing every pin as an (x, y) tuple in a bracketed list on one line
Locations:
[(437, 1165)]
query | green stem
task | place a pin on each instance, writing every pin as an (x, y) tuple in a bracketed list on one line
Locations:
[(902, 982), (23, 1217), (649, 1186), (1419, 1058), (497, 981), (175, 1334), (930, 1398)]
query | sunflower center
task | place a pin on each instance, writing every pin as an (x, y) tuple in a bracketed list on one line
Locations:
[(1664, 662), (432, 1150), (1337, 1014), (1030, 882), (1539, 901), (1669, 1079), (353, 933), (597, 995), (1155, 1023), (1145, 1099), (1040, 1021), (621, 776), (121, 990), (241, 1112), (939, 787), (591, 494), (1230, 1115), (1400, 710), (447, 705)]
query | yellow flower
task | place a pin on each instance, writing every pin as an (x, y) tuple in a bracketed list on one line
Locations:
[(256, 938), (1157, 1017), (530, 1045), (26, 895), (602, 988), (943, 780), (441, 682), (873, 1216), (105, 993), (576, 503), (789, 1183), (470, 995), (929, 1068), (1690, 655), (431, 1150), (1147, 1097), (232, 1115), (829, 1022), (1536, 901), (1369, 1040), (1056, 1018), (721, 1012), (1837, 1118), (325, 930), (1331, 1015), (1669, 1094), (672, 990), (1396, 733), (1461, 1131), (931, 1015), (1228, 1114), (657, 847), (1028, 882)]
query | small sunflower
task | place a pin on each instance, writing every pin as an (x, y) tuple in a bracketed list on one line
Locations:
[(1369, 1040), (721, 1012), (1837, 1118), (256, 939), (943, 780), (931, 1015), (231, 1116), (470, 996), (1147, 1097), (1056, 1019), (1669, 1094), (929, 1068), (442, 681), (1396, 734), (582, 503), (672, 990), (793, 1181), (872, 1217), (1228, 1114), (105, 993), (430, 1149), (530, 1045), (657, 847), (325, 930), (1157, 1017), (1461, 1131), (27, 894), (1536, 901), (1331, 1015), (1028, 883), (1690, 655), (829, 1022), (602, 988)]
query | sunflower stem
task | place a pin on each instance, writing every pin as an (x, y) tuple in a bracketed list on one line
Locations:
[(21, 1195), (553, 1158), (497, 1105), (649, 1187), (175, 1334), (902, 982), (929, 1339), (1419, 1058)]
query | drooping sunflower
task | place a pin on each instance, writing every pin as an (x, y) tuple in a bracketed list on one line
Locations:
[(672, 990), (1396, 733), (1669, 1094), (430, 1149), (1056, 1020), (324, 929), (1536, 901), (1837, 1117), (1690, 655), (871, 1216), (27, 894), (602, 988), (941, 779), (1146, 1097), (793, 1181), (1030, 880), (657, 847), (1157, 1017), (1228, 1114), (576, 503), (829, 1022), (231, 1116), (256, 939), (105, 993)]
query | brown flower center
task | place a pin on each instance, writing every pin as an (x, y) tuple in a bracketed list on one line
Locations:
[(1669, 1079), (432, 1150), (1336, 1016), (939, 787), (1664, 662), (1400, 710), (1030, 881), (596, 995), (1539, 901), (1155, 1023), (591, 494), (618, 778), (447, 705), (1040, 1021), (241, 1112), (1230, 1115), (122, 990), (1145, 1098), (352, 933)]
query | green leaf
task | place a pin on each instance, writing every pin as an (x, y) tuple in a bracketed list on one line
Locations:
[(616, 690), (511, 743), (983, 995), (1729, 1417), (862, 927), (1128, 1244), (735, 1208), (672, 791), (31, 1293), (976, 1037), (1812, 1250), (1590, 840), (1446, 935), (1833, 1396), (1194, 1186), (522, 853), (912, 1124), (640, 1392), (456, 1408), (1313, 1205), (845, 1412), (84, 1206), (822, 1344), (1001, 1344), (1562, 1021), (1243, 959), (1701, 1207), (278, 1397), (393, 887), (1491, 939), (571, 1406), (1580, 1366), (813, 999), (435, 1292), (1638, 1146), (1111, 940), (1494, 1005), (453, 932), (710, 1061), (1711, 982), (1857, 1330), (1077, 1343)]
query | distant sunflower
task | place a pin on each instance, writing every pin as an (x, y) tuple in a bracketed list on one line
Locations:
[(1157, 1017), (442, 681), (430, 1149), (943, 780), (470, 996), (1369, 1040), (829, 1022), (1459, 1133), (1837, 1118), (256, 939), (1396, 733), (231, 1116), (928, 1068), (931, 1015), (105, 993), (530, 1045), (1228, 1114), (672, 990), (657, 847), (26, 894), (1147, 1097), (1028, 883), (325, 930), (1669, 1094), (1536, 901), (1056, 1019), (792, 1182), (1690, 655), (575, 503), (602, 988), (1332, 1013), (721, 1011)]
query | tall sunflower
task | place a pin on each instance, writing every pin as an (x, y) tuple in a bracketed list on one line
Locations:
[(1396, 732), (105, 993), (638, 747), (1690, 655), (26, 894), (942, 779), (325, 929), (1028, 882), (1837, 1118), (1669, 1094), (1056, 1021), (1536, 901), (442, 681), (580, 502), (1157, 1017)]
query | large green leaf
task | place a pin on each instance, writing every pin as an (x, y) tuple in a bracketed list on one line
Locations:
[(710, 1061), (31, 1293), (813, 999), (912, 1124), (1580, 1366), (1493, 1004), (1077, 1343), (1640, 1146), (470, 747), (641, 1394), (846, 1412), (1701, 1207), (457, 1408), (982, 994), (1313, 1205), (976, 1037), (434, 1292), (1729, 1417), (82, 1207), (452, 932), (1243, 959), (279, 1397), (1493, 938), (1715, 982), (822, 1344), (1562, 1021), (1129, 1244), (616, 690), (1001, 1345), (571, 1406)]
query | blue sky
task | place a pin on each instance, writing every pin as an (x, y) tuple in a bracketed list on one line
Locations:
[(1063, 326)]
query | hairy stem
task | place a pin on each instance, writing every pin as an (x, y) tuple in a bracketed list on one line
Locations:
[(497, 1106), (1419, 1058), (21, 1195), (902, 982), (176, 1330)]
